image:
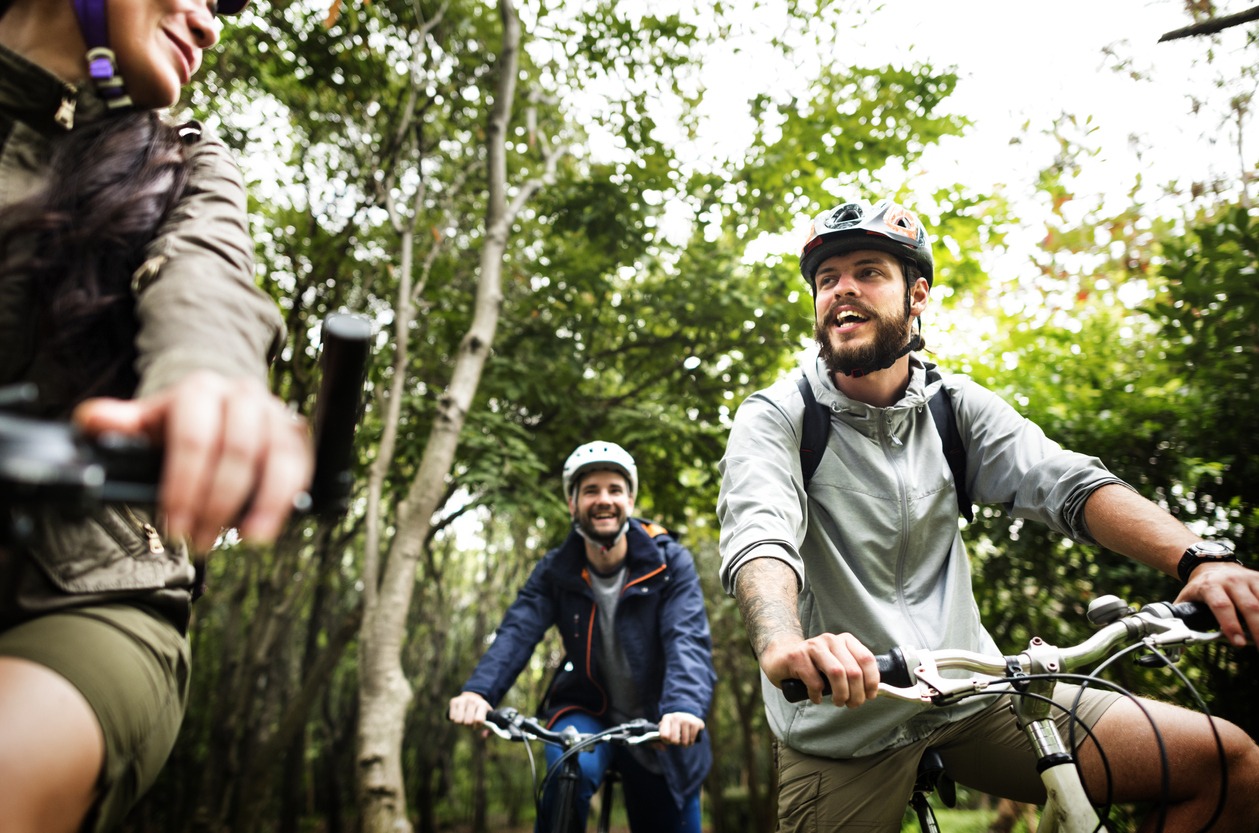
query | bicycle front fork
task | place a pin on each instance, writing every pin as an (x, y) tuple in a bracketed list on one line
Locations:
[(1067, 808)]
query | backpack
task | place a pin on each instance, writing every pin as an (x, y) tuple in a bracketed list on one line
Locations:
[(817, 425)]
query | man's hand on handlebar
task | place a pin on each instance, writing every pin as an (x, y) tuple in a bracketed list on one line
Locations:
[(680, 728), (1232, 593), (840, 658), (468, 708), (235, 455)]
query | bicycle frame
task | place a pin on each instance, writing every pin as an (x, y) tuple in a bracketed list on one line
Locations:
[(1067, 807), (564, 818), (511, 725)]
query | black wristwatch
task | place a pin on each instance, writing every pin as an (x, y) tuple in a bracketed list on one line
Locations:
[(1203, 552)]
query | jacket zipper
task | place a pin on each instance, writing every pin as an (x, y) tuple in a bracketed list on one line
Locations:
[(888, 439), (147, 530), (65, 112), (641, 579)]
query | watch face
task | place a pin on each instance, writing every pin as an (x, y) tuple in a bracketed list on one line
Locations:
[(1211, 549)]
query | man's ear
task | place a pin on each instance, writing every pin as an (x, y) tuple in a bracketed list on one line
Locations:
[(919, 297)]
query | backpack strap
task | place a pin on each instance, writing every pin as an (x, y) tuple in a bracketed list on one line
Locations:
[(813, 433), (941, 405), (654, 530), (817, 425)]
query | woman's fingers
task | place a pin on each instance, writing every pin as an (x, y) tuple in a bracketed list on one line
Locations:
[(234, 454)]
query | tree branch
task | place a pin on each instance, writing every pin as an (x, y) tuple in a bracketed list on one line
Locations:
[(1215, 24)]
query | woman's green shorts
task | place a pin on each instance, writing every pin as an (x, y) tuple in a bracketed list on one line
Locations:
[(132, 666)]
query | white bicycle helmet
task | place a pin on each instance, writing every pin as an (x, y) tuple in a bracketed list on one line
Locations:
[(598, 455), (886, 227)]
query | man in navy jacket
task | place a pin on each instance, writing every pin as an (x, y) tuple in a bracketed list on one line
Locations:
[(627, 602)]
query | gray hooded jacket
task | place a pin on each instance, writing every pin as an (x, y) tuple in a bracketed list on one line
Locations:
[(875, 542)]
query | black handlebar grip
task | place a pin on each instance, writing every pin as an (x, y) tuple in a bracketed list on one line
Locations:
[(1196, 615), (893, 670), (502, 718), (795, 691), (133, 468), (346, 345)]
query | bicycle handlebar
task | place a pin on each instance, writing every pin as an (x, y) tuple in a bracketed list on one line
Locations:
[(510, 724), (46, 462), (908, 673)]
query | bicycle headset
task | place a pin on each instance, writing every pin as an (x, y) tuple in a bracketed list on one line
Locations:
[(93, 17), (887, 227)]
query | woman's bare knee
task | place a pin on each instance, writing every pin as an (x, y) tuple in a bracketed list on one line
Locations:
[(53, 749)]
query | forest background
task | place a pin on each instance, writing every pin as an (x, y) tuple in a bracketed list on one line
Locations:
[(524, 202)]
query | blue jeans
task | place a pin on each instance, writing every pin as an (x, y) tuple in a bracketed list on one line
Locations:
[(648, 802)]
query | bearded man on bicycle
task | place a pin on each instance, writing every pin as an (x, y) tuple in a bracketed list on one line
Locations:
[(865, 554), (628, 605)]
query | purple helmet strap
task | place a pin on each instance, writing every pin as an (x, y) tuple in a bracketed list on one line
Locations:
[(94, 25), (92, 22)]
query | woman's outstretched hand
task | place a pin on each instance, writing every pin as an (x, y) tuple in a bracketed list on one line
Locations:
[(235, 455)]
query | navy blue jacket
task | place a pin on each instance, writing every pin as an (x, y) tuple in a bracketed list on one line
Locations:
[(663, 628)]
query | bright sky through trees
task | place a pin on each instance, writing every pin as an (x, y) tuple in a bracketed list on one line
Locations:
[(1021, 67), (1021, 63)]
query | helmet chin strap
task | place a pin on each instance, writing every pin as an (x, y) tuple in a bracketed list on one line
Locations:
[(607, 542), (915, 343), (101, 62)]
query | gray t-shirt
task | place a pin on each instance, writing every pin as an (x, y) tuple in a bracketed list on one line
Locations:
[(624, 702)]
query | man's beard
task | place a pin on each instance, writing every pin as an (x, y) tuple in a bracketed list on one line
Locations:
[(586, 525), (890, 338)]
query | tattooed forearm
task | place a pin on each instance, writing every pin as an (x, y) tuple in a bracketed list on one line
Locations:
[(765, 589)]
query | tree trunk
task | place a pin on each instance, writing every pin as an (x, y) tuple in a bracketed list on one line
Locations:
[(268, 754), (384, 693)]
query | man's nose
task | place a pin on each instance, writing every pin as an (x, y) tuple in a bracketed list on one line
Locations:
[(846, 284)]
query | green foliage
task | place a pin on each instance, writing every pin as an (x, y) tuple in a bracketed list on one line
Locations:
[(825, 144), (1159, 392), (1209, 321), (616, 324)]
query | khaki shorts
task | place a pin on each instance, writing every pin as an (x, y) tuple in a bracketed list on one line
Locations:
[(987, 752), (132, 666)]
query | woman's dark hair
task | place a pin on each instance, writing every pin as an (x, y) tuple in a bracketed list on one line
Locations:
[(111, 184)]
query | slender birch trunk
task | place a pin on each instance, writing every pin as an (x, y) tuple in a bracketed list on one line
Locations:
[(384, 691)]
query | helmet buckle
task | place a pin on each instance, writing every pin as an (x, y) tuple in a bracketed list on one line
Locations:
[(102, 66)]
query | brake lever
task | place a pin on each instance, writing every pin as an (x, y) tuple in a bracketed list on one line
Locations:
[(640, 731), (505, 732), (505, 723), (933, 687)]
